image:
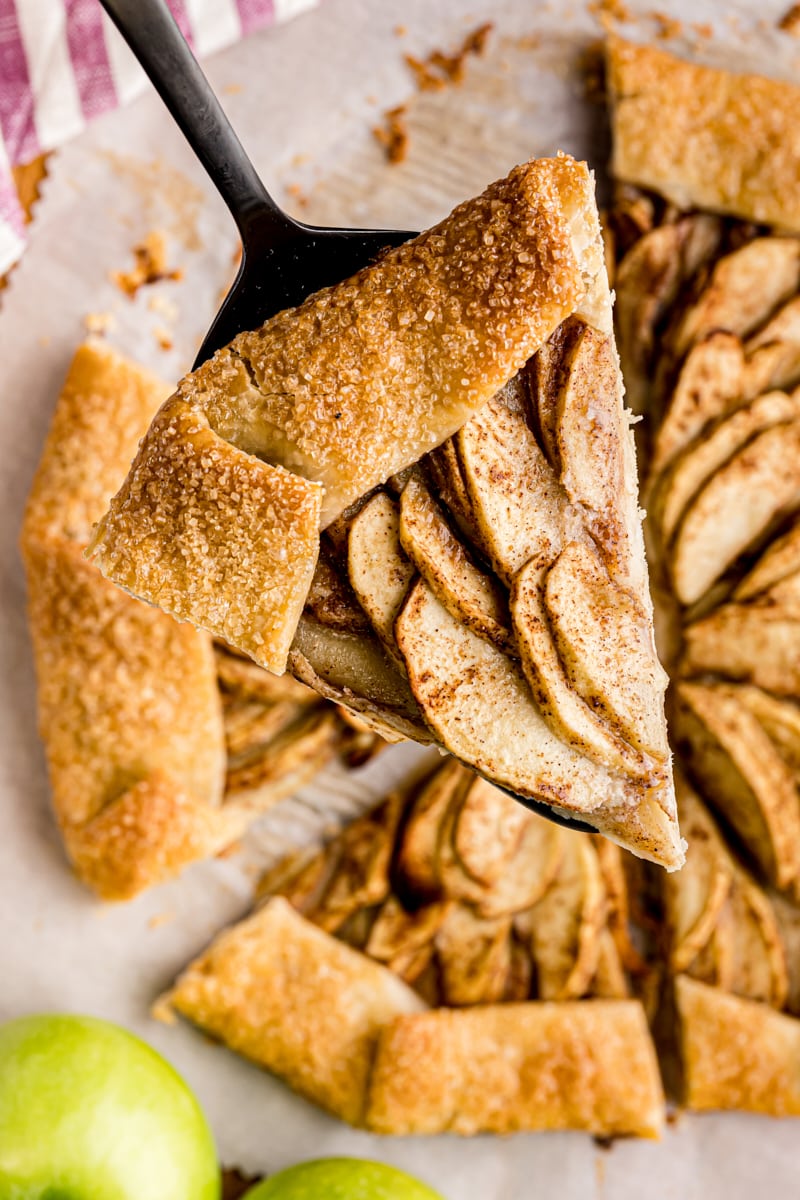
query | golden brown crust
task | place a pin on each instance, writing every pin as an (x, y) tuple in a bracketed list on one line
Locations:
[(128, 701), (737, 1053), (344, 391), (293, 999), (503, 1068), (704, 137)]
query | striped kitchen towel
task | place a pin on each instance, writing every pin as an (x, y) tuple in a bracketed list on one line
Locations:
[(62, 62)]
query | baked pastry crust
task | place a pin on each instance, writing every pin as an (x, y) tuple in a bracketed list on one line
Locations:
[(705, 137), (129, 708), (283, 993), (737, 1053), (500, 1069)]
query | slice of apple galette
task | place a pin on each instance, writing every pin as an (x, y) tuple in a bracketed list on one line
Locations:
[(450, 961), (452, 420)]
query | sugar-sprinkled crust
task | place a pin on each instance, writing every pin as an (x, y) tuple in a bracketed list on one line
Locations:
[(293, 999), (503, 1068), (355, 384), (737, 1053), (129, 708), (704, 137)]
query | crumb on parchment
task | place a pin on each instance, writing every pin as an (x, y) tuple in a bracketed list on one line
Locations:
[(436, 71), (99, 323), (393, 134), (150, 266)]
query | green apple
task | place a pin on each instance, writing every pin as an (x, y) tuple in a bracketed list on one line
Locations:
[(90, 1112), (341, 1179)]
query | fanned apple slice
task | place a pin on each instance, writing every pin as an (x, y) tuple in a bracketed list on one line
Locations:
[(759, 960), (354, 669), (448, 479), (596, 450), (487, 832), (743, 775), (418, 851), (775, 348), (780, 559), (604, 641), (379, 571), (743, 290), (747, 642), (567, 924), (520, 507), (530, 872), (780, 718), (564, 709), (738, 504), (692, 469), (737, 1054), (545, 375), (646, 284), (710, 379), (470, 594), (696, 896), (397, 935), (480, 707), (474, 956), (610, 981)]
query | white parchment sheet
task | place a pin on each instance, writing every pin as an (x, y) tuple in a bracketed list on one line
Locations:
[(304, 98)]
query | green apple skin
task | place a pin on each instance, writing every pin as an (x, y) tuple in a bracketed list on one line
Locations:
[(90, 1112), (341, 1179)]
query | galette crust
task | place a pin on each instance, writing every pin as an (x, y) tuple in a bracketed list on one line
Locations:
[(705, 137)]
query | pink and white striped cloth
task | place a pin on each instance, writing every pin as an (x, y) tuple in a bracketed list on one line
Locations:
[(62, 62)]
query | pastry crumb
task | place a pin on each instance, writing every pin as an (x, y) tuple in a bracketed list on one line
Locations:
[(150, 266), (297, 194), (400, 31), (163, 338), (667, 26), (703, 29), (393, 134), (609, 10), (159, 919), (165, 307), (99, 323), (790, 21), (438, 69)]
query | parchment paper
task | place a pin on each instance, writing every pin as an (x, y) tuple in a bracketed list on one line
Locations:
[(304, 99)]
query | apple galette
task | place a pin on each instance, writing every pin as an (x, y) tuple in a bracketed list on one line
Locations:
[(161, 746), (452, 419), (449, 962), (708, 313)]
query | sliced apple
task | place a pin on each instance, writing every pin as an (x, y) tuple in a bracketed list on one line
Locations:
[(596, 453), (602, 633), (417, 854), (520, 508), (609, 981), (709, 380), (474, 956), (692, 469), (743, 290), (488, 828), (743, 776), (480, 707), (398, 936), (565, 711), (567, 924), (748, 642), (361, 877), (759, 960), (446, 475), (735, 507), (787, 914), (775, 349), (354, 669), (379, 571), (780, 559), (780, 718), (647, 282), (530, 872), (545, 374), (470, 594), (331, 599), (695, 896)]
